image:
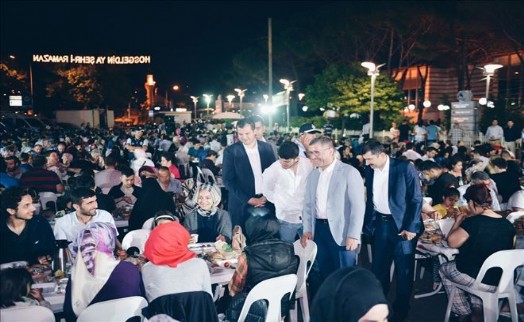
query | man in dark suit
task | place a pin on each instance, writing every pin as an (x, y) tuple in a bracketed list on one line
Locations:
[(393, 218), (242, 170)]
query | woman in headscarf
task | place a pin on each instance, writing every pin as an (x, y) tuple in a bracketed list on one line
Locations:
[(172, 267), (207, 220), (96, 274), (350, 294)]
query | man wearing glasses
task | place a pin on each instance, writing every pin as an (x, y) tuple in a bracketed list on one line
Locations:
[(284, 184), (334, 207)]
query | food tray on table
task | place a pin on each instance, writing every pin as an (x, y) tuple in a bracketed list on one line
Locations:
[(431, 237), (430, 225), (200, 248)]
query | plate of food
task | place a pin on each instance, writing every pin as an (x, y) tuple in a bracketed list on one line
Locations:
[(431, 238), (430, 225)]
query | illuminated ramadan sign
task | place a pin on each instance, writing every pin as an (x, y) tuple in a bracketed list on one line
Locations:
[(76, 59)]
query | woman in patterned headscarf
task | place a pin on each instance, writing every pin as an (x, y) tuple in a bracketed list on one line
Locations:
[(96, 274), (172, 267), (207, 220)]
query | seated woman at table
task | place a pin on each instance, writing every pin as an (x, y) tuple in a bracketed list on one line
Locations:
[(172, 267), (96, 274), (448, 207), (15, 289), (477, 236), (163, 217), (207, 220)]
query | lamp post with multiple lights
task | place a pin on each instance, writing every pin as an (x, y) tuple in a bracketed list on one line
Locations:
[(240, 95), (230, 98), (195, 101), (288, 86), (207, 98), (373, 72)]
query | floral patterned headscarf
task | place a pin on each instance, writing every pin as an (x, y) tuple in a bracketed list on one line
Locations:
[(95, 237), (216, 195)]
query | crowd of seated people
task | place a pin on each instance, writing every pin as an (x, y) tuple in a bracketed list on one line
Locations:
[(100, 176)]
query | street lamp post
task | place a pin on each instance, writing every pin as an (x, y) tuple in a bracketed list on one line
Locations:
[(489, 71), (195, 101), (207, 98), (241, 95), (288, 86), (230, 98), (373, 72)]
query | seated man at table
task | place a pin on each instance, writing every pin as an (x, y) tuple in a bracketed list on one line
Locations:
[(126, 193), (265, 257), (477, 236), (86, 211), (25, 237)]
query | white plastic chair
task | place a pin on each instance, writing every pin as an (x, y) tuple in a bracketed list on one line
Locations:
[(272, 290), (114, 310), (307, 257), (27, 313), (148, 223), (508, 260), (136, 238), (45, 197)]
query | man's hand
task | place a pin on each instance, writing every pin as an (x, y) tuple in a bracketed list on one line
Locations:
[(305, 237), (351, 243), (406, 235), (257, 202)]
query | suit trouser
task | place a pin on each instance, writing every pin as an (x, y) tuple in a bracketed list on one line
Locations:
[(388, 246), (330, 255)]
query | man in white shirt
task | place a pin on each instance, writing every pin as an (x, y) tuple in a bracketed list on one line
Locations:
[(333, 210), (109, 177), (84, 202), (494, 133), (480, 177), (410, 153), (284, 184)]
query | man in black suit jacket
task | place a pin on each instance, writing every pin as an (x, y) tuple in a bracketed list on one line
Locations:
[(242, 170), (393, 218)]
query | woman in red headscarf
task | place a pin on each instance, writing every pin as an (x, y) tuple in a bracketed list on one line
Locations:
[(172, 267)]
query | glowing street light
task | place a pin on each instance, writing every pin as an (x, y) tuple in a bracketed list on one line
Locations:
[(241, 95), (195, 101), (288, 86), (207, 98), (230, 98), (373, 72), (489, 71)]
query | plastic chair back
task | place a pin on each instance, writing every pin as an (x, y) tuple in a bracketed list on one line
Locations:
[(307, 257), (113, 310), (148, 223), (136, 238), (272, 290), (27, 313), (508, 261), (45, 197)]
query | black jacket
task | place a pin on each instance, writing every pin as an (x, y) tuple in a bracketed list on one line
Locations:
[(184, 307)]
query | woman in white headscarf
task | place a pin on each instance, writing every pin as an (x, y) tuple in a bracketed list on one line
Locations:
[(207, 220), (96, 274)]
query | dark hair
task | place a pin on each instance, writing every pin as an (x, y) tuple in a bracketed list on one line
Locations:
[(163, 214), (211, 153), (428, 165), (374, 147), (24, 156), (11, 197), (430, 149), (39, 161), (164, 169), (14, 284), (323, 140), (84, 181), (480, 195), (243, 122), (169, 156), (79, 194), (479, 176), (453, 161), (13, 157), (288, 150), (127, 171), (500, 163), (257, 118), (450, 192), (110, 160)]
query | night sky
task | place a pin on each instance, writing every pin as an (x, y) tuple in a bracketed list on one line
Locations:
[(190, 43)]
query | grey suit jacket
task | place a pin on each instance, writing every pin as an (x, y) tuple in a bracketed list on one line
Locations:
[(346, 203)]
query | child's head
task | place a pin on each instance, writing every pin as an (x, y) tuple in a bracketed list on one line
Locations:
[(450, 196), (14, 283)]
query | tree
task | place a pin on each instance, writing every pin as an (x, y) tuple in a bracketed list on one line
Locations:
[(348, 90), (79, 86)]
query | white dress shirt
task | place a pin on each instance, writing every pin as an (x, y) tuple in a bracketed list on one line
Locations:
[(494, 132), (256, 166), (380, 189), (322, 190), (286, 189)]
